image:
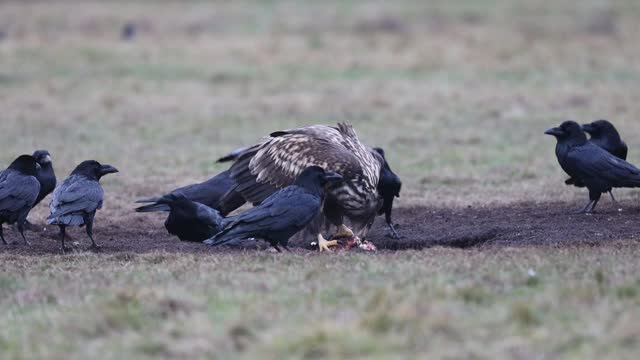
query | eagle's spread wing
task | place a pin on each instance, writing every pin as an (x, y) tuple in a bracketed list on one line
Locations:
[(275, 163)]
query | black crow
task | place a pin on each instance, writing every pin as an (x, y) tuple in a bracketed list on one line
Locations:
[(46, 176), (76, 200), (588, 163), (389, 187), (18, 192), (208, 193), (283, 213), (605, 135), (190, 221)]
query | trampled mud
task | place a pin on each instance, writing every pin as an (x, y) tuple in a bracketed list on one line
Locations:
[(525, 224)]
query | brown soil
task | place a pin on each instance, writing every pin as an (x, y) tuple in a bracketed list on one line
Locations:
[(525, 224)]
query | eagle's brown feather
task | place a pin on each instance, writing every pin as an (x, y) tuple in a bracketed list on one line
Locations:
[(275, 163)]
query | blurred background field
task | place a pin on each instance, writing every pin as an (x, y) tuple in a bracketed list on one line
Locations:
[(459, 94)]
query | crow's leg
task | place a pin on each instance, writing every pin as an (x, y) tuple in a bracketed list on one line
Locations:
[(21, 230), (594, 197), (593, 206), (394, 234), (584, 210), (2, 236), (277, 248), (63, 233), (89, 222), (286, 247), (613, 198)]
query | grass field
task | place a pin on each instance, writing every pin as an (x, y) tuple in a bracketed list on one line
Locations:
[(459, 94)]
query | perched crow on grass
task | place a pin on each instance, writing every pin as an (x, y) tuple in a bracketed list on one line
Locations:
[(590, 164), (283, 213), (208, 193), (19, 189), (76, 200), (389, 188), (188, 220), (46, 176), (605, 135)]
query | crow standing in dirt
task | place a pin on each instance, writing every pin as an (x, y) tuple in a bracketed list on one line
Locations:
[(19, 189), (590, 164), (389, 187), (188, 220), (208, 193), (605, 135), (283, 213), (76, 200)]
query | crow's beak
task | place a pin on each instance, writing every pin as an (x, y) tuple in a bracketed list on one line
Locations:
[(38, 167), (554, 131), (47, 159), (588, 128), (164, 200), (332, 177), (107, 169)]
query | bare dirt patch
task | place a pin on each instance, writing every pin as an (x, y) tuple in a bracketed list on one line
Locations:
[(524, 224)]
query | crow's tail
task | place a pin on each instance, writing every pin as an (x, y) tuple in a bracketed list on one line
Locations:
[(220, 239), (226, 235), (152, 207)]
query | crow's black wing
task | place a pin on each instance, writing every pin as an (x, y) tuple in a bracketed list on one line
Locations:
[(290, 206), (208, 193), (76, 194), (596, 167), (287, 210), (17, 191)]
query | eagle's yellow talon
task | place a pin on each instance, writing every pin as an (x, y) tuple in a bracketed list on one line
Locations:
[(344, 231), (324, 245)]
